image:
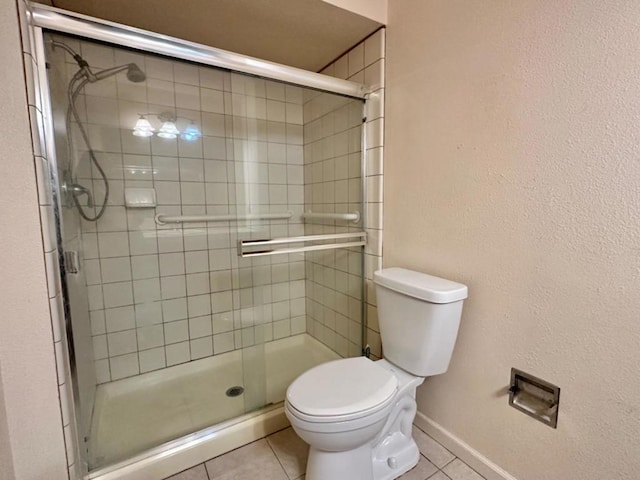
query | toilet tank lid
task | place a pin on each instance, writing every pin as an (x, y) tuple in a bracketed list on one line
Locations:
[(420, 285)]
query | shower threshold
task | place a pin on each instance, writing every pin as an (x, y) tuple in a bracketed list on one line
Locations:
[(139, 413)]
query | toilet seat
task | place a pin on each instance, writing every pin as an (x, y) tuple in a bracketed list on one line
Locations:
[(342, 390)]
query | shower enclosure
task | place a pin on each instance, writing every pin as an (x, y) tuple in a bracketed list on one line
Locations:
[(210, 231)]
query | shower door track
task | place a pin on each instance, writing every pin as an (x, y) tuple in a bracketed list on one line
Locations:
[(54, 19)]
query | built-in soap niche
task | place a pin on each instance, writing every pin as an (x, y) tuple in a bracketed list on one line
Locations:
[(536, 397)]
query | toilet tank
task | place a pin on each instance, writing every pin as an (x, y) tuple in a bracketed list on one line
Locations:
[(419, 316)]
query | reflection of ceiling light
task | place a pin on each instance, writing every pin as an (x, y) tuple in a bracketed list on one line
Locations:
[(190, 133), (143, 128), (168, 130)]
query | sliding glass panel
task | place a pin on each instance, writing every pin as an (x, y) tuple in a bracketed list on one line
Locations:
[(162, 167)]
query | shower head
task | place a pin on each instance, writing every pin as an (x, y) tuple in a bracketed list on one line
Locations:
[(135, 73)]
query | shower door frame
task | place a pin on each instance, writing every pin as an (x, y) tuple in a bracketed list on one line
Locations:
[(50, 19)]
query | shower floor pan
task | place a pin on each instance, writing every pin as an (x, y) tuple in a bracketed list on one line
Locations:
[(138, 413)]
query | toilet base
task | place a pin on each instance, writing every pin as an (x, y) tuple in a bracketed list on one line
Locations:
[(350, 465), (396, 455)]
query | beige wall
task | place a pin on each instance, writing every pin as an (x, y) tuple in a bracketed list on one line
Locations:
[(26, 349), (6, 472), (513, 146)]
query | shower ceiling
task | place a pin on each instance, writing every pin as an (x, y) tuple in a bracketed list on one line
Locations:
[(307, 34)]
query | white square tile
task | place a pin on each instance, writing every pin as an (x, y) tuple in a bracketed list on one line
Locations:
[(113, 244), (117, 294), (147, 290), (199, 305), (223, 342), (374, 47), (177, 331), (143, 242), (92, 272), (293, 94), (160, 92), (294, 113), (137, 167), (222, 322), (173, 287), (148, 314), (200, 326), (186, 73), (95, 297), (211, 100), (196, 262), (100, 350), (141, 219), (171, 264), (275, 91), (124, 366), (103, 374), (197, 283), (214, 148), (150, 337), (193, 194), (281, 329), (119, 319), (170, 241), (145, 266), (97, 320), (374, 75), (187, 96), (211, 78), (116, 269), (121, 343), (341, 69), (157, 67), (201, 347), (165, 168), (90, 245), (220, 259), (221, 302), (175, 309), (164, 146), (177, 353), (167, 193), (152, 359)]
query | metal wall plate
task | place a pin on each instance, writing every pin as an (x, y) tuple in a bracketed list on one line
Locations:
[(536, 397)]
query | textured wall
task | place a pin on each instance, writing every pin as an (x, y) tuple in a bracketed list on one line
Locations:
[(26, 348), (6, 472), (513, 138)]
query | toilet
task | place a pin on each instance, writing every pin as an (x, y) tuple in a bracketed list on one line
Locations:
[(356, 414)]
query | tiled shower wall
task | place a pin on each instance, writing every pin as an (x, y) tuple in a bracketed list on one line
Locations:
[(333, 184), (160, 295), (332, 169)]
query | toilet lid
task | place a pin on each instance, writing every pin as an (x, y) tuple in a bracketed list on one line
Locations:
[(341, 387)]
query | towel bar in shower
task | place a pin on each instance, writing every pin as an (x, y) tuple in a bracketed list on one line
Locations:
[(353, 216), (162, 219), (357, 239)]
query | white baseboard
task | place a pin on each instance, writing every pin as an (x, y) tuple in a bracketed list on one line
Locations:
[(460, 449)]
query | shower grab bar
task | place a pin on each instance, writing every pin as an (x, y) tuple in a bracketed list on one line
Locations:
[(354, 216), (242, 244), (162, 219)]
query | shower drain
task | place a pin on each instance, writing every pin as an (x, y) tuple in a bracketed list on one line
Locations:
[(235, 391)]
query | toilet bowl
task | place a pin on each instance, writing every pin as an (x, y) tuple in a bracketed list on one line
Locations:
[(357, 414)]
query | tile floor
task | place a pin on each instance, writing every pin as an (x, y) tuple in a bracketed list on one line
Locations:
[(283, 456)]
